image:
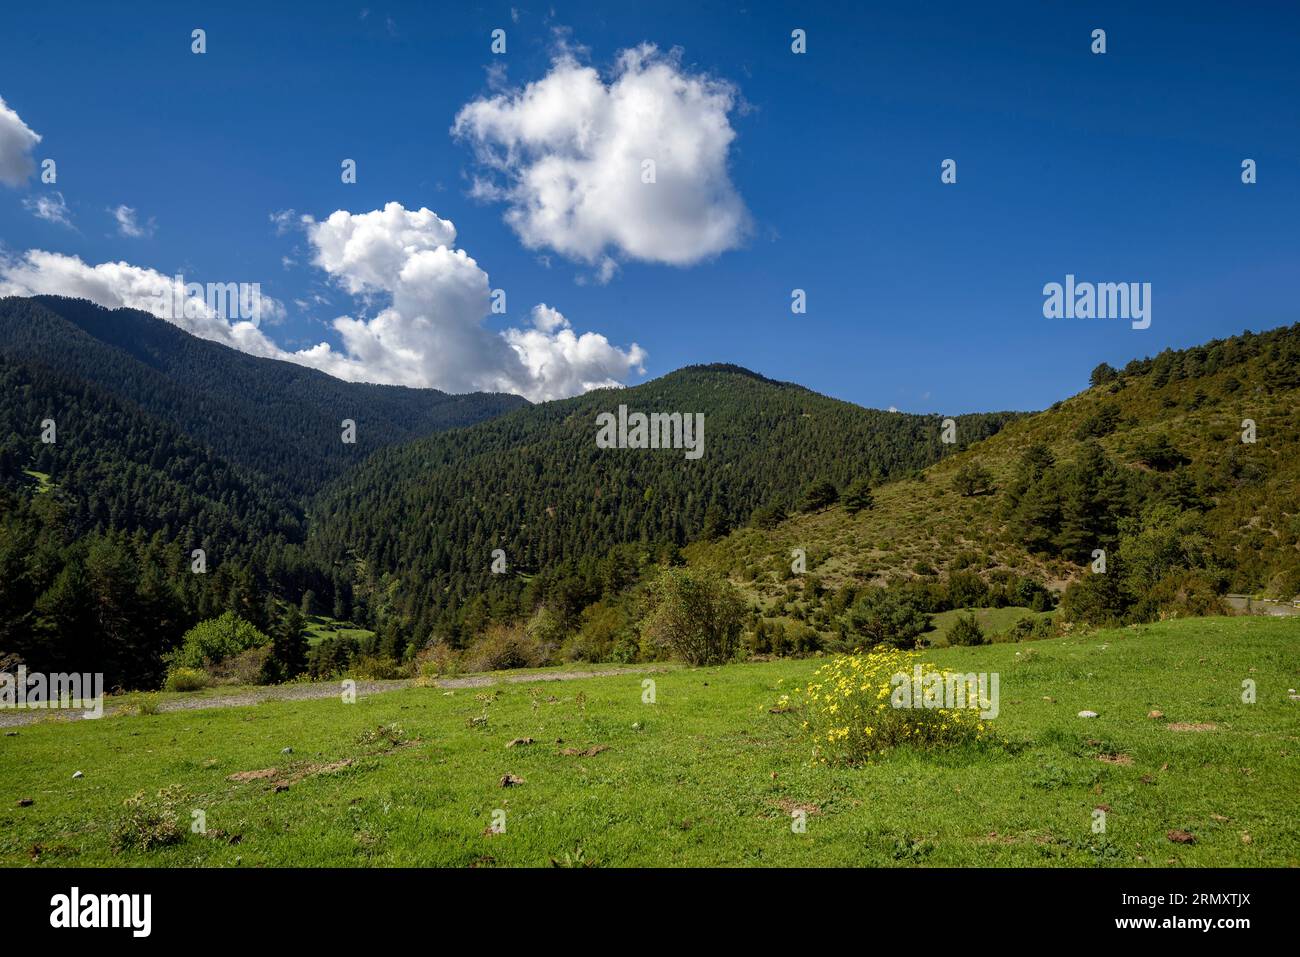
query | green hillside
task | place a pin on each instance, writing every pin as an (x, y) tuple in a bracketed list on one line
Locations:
[(425, 517), (163, 444), (276, 418), (1148, 464)]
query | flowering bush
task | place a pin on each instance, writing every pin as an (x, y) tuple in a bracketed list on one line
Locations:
[(857, 705)]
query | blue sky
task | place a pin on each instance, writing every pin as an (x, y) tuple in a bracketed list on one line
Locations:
[(923, 296)]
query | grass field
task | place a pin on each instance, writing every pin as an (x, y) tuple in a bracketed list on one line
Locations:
[(706, 775), (994, 621), (319, 627)]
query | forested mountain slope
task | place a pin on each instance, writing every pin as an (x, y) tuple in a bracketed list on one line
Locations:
[(1183, 468), (424, 518), (127, 444), (276, 418)]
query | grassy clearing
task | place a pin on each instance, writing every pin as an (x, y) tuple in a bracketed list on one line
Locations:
[(994, 621), (706, 775), (319, 627), (42, 480)]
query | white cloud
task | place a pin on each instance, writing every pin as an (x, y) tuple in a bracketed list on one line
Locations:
[(17, 140), (117, 285), (430, 332), (569, 363), (433, 300), (565, 154), (283, 220), (49, 207), (128, 225)]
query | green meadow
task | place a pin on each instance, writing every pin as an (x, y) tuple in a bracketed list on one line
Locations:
[(707, 774)]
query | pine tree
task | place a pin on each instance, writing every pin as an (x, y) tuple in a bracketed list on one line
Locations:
[(289, 645), (819, 495), (858, 497)]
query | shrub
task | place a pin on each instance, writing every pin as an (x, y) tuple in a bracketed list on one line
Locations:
[(503, 647), (186, 679), (241, 669), (694, 614), (1030, 626), (1042, 601), (603, 626), (967, 590), (886, 616), (1029, 593), (966, 631), (805, 640), (972, 479), (331, 656), (858, 705), (148, 823), (437, 659), (374, 668), (214, 640), (386, 735), (546, 631), (1094, 600), (1183, 594)]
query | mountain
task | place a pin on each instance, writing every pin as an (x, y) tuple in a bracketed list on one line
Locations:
[(423, 519), (97, 528), (1183, 468), (275, 418), (127, 444), (1181, 471)]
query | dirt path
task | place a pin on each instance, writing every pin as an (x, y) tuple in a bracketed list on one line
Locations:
[(326, 689)]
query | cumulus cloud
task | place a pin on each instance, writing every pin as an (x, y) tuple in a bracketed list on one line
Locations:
[(566, 155), (117, 285), (568, 363), (128, 225), (17, 140), (429, 331), (49, 207)]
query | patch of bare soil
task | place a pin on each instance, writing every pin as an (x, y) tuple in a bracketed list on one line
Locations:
[(281, 780), (1122, 759), (790, 806)]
